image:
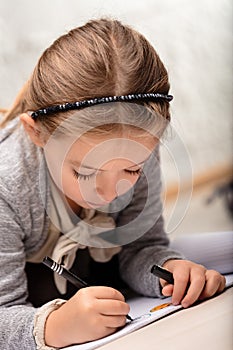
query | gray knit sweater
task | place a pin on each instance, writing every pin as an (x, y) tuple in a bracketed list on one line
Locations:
[(24, 227)]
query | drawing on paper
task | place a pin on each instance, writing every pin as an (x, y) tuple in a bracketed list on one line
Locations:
[(159, 307)]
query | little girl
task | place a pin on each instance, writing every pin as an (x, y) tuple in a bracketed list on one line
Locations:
[(80, 182)]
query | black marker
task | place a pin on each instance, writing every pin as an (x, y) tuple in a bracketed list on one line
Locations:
[(162, 273), (69, 276)]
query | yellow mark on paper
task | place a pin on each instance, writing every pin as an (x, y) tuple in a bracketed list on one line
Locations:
[(159, 307)]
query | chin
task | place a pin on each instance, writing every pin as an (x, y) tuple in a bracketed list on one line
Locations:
[(94, 205)]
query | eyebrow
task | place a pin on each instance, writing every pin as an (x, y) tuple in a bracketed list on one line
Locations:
[(76, 163)]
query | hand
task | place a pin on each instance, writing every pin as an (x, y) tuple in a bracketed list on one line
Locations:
[(92, 313), (192, 282)]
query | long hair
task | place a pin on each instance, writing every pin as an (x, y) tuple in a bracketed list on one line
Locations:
[(101, 58)]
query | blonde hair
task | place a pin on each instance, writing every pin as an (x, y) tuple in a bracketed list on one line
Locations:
[(101, 58)]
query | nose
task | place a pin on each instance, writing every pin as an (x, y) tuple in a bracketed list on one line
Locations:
[(111, 187), (107, 191)]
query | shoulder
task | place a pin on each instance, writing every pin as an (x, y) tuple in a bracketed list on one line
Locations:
[(20, 166), (20, 158)]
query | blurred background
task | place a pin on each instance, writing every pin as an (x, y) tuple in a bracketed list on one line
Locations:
[(194, 40)]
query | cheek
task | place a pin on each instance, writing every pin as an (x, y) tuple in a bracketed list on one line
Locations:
[(77, 190), (70, 185)]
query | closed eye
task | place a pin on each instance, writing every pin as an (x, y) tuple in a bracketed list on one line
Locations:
[(88, 177), (134, 172), (82, 176)]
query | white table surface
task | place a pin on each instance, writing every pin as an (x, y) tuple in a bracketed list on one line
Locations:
[(208, 325)]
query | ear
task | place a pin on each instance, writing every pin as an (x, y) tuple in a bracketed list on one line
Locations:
[(32, 129)]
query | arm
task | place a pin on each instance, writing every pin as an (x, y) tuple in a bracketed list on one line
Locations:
[(16, 316), (90, 314)]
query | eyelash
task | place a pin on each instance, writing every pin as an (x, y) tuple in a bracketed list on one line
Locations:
[(87, 177)]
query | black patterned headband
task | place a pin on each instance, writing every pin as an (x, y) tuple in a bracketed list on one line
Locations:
[(95, 101)]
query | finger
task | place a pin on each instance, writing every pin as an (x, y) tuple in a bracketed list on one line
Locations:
[(215, 283), (163, 282), (112, 307), (222, 284), (197, 283), (114, 321), (101, 292), (181, 280), (167, 290)]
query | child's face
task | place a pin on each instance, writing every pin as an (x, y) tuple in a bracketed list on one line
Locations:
[(96, 170)]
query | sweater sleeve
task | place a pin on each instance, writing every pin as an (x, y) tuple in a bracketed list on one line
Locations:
[(137, 257), (17, 316)]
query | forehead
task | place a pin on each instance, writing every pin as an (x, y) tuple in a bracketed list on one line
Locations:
[(96, 151)]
